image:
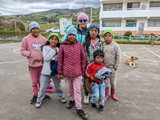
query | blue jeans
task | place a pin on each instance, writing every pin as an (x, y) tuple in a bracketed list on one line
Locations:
[(98, 92), (44, 80)]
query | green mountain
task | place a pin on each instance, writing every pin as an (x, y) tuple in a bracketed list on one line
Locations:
[(47, 19), (54, 15)]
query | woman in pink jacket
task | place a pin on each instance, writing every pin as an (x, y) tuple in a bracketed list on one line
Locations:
[(31, 48), (71, 66)]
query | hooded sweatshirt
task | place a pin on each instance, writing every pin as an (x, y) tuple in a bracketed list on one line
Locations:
[(31, 48)]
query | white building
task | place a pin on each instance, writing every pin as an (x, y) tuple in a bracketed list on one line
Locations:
[(138, 16)]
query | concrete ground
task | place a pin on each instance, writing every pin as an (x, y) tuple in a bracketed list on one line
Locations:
[(138, 89)]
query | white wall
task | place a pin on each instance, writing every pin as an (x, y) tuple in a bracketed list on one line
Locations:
[(140, 15)]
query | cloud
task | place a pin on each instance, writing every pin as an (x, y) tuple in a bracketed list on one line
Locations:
[(13, 7)]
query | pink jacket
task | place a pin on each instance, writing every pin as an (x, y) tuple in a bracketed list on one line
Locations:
[(31, 48), (71, 59)]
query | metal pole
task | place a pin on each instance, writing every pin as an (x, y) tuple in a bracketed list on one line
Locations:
[(16, 28), (83, 5), (5, 24), (48, 25), (91, 12), (15, 24)]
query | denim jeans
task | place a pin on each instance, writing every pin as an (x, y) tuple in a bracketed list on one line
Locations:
[(44, 80), (98, 92)]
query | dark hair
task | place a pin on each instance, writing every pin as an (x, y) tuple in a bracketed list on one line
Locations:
[(48, 43), (88, 41), (98, 53)]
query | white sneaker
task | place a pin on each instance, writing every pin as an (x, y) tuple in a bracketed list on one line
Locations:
[(86, 99), (38, 104), (62, 100)]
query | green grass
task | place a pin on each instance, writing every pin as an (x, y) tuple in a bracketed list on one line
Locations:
[(120, 41), (9, 41), (44, 26), (124, 41)]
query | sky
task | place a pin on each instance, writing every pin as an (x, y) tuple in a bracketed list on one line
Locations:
[(17, 7)]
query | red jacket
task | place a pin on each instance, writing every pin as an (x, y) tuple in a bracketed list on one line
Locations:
[(71, 59), (92, 68)]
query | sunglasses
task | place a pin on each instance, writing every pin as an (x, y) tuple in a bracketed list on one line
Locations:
[(83, 20)]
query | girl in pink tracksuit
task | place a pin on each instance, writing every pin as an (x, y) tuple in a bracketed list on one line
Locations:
[(71, 66), (31, 48)]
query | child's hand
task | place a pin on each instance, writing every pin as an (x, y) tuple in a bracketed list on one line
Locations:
[(92, 78), (60, 76), (38, 60), (105, 78)]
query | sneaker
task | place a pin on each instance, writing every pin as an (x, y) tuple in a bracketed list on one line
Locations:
[(47, 97), (70, 104), (101, 109), (94, 105), (33, 100), (81, 113), (62, 100), (38, 104), (86, 99)]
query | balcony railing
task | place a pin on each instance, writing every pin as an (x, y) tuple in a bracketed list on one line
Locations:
[(154, 8), (133, 8), (130, 13)]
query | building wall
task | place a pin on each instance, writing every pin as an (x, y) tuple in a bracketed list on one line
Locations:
[(141, 16)]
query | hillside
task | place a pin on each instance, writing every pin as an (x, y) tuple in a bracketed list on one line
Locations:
[(47, 19), (54, 15)]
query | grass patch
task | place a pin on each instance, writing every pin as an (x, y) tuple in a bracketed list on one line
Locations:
[(124, 41), (9, 41), (133, 41), (119, 41)]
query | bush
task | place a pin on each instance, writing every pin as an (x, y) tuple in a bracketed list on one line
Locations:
[(116, 37), (128, 33), (21, 26), (10, 33)]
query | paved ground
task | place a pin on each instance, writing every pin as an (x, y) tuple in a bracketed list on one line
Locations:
[(138, 89)]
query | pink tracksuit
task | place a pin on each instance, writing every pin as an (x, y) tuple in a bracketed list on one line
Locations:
[(31, 48), (71, 64)]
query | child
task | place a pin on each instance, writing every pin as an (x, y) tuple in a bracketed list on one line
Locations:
[(92, 43), (112, 57), (48, 72), (96, 73), (71, 66), (31, 48)]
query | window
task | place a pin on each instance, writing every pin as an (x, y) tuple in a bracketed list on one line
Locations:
[(154, 5), (154, 23), (133, 6), (131, 23), (112, 7), (111, 23)]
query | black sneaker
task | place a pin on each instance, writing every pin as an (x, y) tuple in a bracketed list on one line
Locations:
[(47, 97), (33, 100), (81, 113), (101, 109), (94, 105), (70, 104)]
